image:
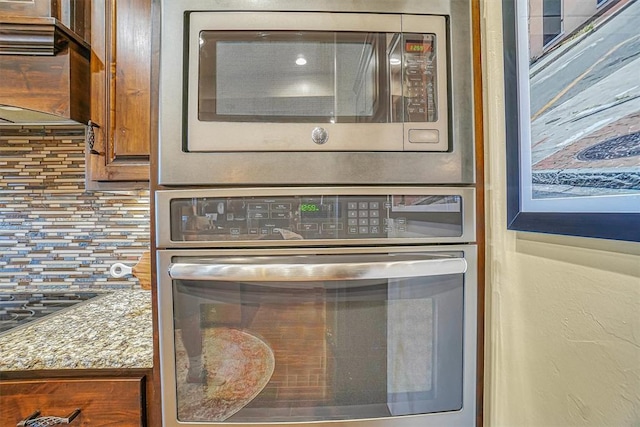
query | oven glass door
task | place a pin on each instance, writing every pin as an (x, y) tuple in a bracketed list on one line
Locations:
[(317, 337)]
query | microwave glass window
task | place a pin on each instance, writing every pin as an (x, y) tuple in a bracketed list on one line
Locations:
[(334, 77), (280, 352)]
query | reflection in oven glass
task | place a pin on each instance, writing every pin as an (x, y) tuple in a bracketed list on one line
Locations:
[(235, 367), (259, 352)]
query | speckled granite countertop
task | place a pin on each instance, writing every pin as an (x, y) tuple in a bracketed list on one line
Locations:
[(111, 331)]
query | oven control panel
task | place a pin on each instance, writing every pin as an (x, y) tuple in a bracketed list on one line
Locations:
[(317, 217)]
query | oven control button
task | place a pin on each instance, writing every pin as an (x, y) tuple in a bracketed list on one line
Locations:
[(280, 215), (330, 226), (280, 206), (257, 207), (319, 135), (258, 215), (307, 227)]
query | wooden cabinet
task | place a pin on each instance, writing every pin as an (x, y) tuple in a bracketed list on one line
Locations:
[(44, 60), (120, 94), (72, 14), (115, 401), (85, 61)]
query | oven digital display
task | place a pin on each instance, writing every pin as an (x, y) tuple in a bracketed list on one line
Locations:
[(309, 207), (312, 209), (417, 46)]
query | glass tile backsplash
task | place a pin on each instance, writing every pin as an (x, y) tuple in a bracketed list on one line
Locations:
[(54, 234)]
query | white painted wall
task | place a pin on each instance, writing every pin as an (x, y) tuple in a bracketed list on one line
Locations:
[(563, 313)]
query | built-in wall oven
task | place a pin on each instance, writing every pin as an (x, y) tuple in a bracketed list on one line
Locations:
[(315, 213), (323, 92), (317, 306)]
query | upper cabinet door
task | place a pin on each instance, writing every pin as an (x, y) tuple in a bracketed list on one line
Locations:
[(120, 91)]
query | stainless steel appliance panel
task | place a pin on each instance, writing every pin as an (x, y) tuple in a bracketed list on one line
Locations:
[(349, 166), (378, 337), (294, 216)]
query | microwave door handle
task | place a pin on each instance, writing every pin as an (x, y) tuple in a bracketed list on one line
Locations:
[(317, 271)]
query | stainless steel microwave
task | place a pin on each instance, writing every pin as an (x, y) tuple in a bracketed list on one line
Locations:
[(330, 92)]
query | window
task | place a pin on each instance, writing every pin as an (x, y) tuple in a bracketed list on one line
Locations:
[(551, 20)]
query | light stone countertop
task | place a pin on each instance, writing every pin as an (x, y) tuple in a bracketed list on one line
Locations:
[(111, 331)]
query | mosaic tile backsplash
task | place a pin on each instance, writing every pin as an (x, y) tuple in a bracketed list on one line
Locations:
[(55, 235)]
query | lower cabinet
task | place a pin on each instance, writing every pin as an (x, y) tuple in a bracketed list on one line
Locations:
[(118, 401)]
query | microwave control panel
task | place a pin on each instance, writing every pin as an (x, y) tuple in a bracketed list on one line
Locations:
[(316, 217), (420, 78)]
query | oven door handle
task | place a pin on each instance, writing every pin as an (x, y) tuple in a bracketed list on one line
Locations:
[(317, 271)]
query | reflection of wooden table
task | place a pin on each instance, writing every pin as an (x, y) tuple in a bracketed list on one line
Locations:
[(242, 360), (296, 330)]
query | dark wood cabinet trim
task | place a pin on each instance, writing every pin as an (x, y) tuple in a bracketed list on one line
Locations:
[(54, 84), (32, 8), (73, 373), (36, 36), (480, 205)]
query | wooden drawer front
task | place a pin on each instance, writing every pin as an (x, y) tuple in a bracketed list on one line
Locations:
[(103, 402)]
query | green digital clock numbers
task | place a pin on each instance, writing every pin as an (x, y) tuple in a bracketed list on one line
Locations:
[(309, 207)]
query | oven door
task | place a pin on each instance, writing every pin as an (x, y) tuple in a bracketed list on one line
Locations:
[(375, 336)]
